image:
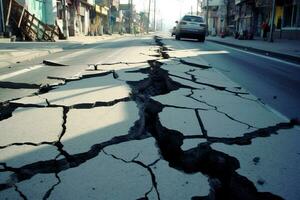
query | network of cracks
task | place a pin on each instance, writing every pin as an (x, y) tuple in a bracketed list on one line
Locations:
[(220, 168)]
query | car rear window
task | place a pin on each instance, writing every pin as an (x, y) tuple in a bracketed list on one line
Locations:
[(193, 19)]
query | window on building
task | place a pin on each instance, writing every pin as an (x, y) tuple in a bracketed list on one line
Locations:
[(291, 15), (296, 15), (287, 17), (59, 10)]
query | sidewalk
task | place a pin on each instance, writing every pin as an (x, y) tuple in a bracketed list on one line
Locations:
[(15, 52), (283, 49)]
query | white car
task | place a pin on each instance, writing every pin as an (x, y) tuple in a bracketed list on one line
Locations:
[(191, 26), (173, 31)]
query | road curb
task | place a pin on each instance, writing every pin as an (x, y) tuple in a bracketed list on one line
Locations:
[(273, 54)]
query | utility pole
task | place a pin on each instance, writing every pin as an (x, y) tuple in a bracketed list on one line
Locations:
[(272, 22), (2, 16), (207, 17), (66, 25), (148, 25), (130, 17), (109, 17), (197, 7), (154, 15)]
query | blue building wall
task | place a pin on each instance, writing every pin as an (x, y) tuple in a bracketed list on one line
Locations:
[(44, 10)]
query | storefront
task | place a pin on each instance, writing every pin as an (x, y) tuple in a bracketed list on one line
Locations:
[(287, 19), (98, 17), (245, 19)]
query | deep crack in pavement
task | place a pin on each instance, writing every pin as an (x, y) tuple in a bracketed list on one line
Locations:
[(221, 169), (147, 167)]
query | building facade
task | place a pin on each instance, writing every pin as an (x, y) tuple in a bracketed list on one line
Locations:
[(287, 19), (87, 17), (216, 12), (44, 10), (248, 15)]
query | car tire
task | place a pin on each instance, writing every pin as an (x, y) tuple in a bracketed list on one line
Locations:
[(202, 38), (177, 37)]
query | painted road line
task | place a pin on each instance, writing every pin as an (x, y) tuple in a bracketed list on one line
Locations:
[(6, 76), (263, 56)]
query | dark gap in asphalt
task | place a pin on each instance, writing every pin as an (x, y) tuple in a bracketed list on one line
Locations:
[(220, 88), (221, 168), (158, 41), (145, 70), (48, 193), (27, 143), (136, 132), (193, 79), (53, 63), (247, 138), (203, 130), (147, 167), (183, 107), (6, 168), (85, 76), (262, 132), (153, 178), (26, 172), (58, 144), (64, 128), (116, 63), (12, 85), (163, 50), (197, 65), (42, 89), (99, 103), (165, 55), (157, 83), (7, 108), (162, 84), (152, 55), (215, 164), (21, 194), (225, 183), (217, 110), (13, 106)]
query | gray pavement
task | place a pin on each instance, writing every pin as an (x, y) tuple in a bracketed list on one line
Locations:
[(146, 125), (274, 81), (16, 52), (280, 48), (115, 157)]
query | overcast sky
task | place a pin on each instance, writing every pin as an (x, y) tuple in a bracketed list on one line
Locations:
[(168, 10)]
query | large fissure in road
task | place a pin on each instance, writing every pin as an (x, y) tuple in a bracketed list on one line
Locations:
[(220, 168)]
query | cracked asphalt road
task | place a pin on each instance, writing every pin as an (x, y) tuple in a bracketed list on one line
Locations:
[(151, 123)]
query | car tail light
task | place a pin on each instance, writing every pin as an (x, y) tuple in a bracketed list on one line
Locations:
[(183, 23)]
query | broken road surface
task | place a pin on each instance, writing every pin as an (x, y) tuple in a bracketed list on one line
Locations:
[(159, 123)]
